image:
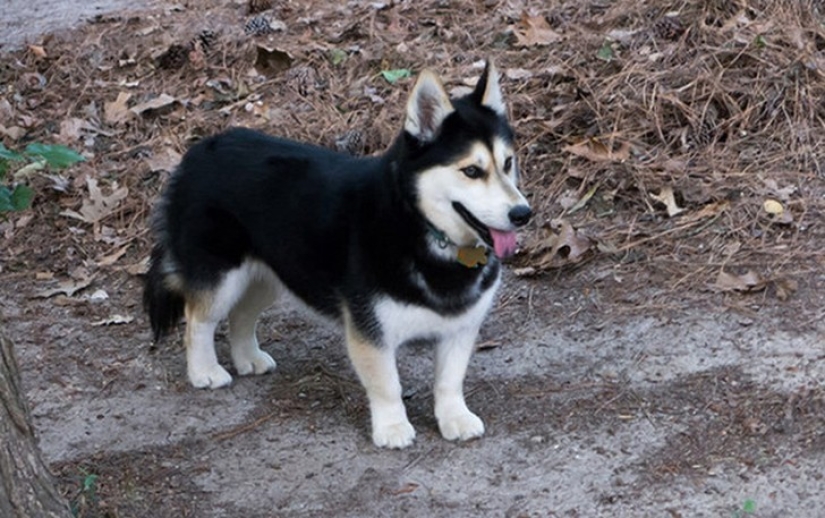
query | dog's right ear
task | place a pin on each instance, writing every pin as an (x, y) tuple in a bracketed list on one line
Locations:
[(427, 107)]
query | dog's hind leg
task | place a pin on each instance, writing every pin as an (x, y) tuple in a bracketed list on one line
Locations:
[(455, 420), (201, 361), (204, 310), (378, 372), (246, 353)]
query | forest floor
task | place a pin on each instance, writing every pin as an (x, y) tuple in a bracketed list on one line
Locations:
[(658, 347)]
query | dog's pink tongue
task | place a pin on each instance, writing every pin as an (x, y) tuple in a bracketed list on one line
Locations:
[(504, 243)]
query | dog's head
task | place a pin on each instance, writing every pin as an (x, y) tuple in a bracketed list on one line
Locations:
[(466, 182)]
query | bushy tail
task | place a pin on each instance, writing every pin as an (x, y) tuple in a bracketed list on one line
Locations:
[(163, 305)]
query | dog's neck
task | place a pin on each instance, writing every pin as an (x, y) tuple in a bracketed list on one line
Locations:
[(469, 256)]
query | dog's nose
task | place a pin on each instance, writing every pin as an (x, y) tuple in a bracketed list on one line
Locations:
[(520, 215)]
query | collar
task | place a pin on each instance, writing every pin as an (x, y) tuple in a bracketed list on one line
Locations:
[(468, 256)]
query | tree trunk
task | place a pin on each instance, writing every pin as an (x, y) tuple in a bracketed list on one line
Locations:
[(27, 488)]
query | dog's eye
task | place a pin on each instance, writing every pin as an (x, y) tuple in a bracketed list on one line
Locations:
[(472, 171), (508, 164)]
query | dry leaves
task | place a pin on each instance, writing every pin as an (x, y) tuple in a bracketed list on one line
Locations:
[(117, 111), (597, 151), (98, 205), (66, 287), (667, 198), (559, 245), (157, 103), (746, 282), (534, 31)]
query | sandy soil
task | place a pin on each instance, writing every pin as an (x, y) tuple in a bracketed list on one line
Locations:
[(604, 394), (23, 21)]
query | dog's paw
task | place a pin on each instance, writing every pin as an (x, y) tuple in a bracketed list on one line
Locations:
[(257, 363), (461, 426), (213, 377), (397, 435)]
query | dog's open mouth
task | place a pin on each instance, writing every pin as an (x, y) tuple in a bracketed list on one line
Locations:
[(502, 242)]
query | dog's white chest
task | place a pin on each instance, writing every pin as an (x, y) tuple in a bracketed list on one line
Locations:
[(401, 322)]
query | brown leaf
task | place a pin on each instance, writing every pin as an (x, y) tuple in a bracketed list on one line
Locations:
[(271, 62), (108, 260), (561, 244), (38, 51), (785, 288), (165, 160), (667, 198), (117, 111), (67, 287), (597, 151), (746, 282), (534, 31), (97, 206), (70, 129), (159, 102)]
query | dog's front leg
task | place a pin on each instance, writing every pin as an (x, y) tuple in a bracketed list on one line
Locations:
[(454, 418), (378, 372)]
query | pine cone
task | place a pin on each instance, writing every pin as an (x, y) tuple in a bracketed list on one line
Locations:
[(258, 26), (351, 142), (208, 39), (256, 6), (669, 28), (175, 56)]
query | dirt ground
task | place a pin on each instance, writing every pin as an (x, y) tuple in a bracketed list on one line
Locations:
[(646, 358)]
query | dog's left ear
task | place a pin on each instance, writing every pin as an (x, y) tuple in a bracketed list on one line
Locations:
[(488, 90)]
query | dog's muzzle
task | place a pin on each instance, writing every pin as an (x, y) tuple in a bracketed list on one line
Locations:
[(503, 242)]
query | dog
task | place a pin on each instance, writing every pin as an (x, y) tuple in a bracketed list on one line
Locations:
[(401, 247)]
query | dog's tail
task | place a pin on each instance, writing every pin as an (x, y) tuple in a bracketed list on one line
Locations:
[(162, 303)]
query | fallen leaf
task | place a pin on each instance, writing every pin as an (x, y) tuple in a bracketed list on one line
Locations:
[(97, 206), (605, 53), (139, 268), (117, 111), (66, 287), (534, 31), (70, 129), (38, 51), (112, 258), (597, 151), (271, 61), (159, 102), (746, 282), (584, 199), (393, 76), (409, 487), (785, 288), (98, 296), (164, 160), (518, 74), (557, 246), (667, 198), (114, 320)]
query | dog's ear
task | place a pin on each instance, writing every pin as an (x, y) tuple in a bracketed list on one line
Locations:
[(427, 107), (488, 90)]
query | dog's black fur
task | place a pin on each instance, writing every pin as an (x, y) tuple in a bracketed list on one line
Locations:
[(333, 227)]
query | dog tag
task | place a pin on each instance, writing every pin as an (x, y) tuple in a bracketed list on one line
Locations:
[(472, 256)]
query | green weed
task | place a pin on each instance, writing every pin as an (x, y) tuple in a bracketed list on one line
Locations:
[(16, 195)]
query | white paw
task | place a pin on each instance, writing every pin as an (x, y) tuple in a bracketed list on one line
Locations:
[(257, 363), (461, 426), (213, 377), (398, 435)]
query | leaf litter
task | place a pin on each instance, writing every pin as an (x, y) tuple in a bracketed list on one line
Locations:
[(688, 115)]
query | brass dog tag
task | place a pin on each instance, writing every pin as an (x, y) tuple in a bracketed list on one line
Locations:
[(472, 256)]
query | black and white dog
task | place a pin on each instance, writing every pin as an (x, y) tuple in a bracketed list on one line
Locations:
[(399, 247)]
